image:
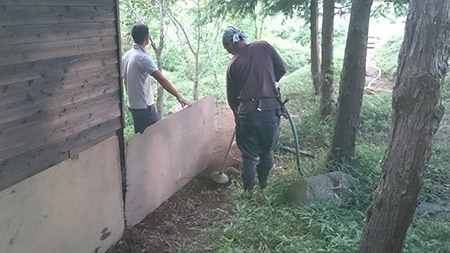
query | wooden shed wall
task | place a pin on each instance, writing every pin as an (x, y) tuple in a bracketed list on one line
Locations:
[(59, 82)]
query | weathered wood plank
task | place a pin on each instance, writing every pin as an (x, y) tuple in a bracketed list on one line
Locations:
[(21, 109), (28, 15), (50, 124), (60, 2), (23, 166), (38, 89), (49, 50), (51, 113), (16, 73), (31, 34), (29, 136)]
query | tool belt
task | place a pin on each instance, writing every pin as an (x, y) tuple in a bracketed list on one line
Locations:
[(252, 105)]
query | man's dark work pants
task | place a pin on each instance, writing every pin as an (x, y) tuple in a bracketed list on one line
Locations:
[(256, 136), (144, 118)]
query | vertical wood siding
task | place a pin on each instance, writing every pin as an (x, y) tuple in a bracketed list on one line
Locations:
[(59, 82)]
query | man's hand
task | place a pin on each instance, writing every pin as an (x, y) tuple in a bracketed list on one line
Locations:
[(184, 103)]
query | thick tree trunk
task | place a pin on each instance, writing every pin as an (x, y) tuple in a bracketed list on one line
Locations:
[(352, 83), (326, 80), (314, 46), (417, 112)]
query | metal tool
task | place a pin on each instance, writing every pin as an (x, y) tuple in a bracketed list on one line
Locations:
[(219, 176)]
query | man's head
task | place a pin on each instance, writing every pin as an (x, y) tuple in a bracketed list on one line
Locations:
[(233, 38), (140, 34)]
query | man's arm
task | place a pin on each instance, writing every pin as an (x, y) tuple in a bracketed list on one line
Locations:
[(232, 93), (169, 87)]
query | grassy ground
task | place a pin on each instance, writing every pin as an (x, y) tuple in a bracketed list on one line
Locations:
[(267, 222)]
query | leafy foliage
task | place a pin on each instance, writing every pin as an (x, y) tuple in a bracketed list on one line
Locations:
[(266, 221)]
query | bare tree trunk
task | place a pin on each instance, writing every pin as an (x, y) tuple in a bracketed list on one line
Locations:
[(158, 52), (196, 55), (212, 49), (417, 112), (197, 68), (326, 80), (160, 99), (314, 46), (256, 25), (352, 83)]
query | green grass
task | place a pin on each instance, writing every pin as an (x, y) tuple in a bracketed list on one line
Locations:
[(267, 222)]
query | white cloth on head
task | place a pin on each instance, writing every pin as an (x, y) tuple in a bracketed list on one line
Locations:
[(234, 34)]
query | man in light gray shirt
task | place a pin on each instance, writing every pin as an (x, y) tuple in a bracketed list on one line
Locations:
[(137, 69)]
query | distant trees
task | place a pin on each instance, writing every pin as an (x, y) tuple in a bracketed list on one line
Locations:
[(192, 42), (195, 37), (315, 59), (289, 8), (417, 112), (326, 71), (158, 48), (352, 83)]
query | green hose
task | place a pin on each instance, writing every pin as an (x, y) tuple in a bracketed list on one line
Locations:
[(294, 131)]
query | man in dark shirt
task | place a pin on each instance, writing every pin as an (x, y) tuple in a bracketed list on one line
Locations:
[(252, 96)]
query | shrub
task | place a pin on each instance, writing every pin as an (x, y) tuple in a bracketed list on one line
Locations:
[(294, 56)]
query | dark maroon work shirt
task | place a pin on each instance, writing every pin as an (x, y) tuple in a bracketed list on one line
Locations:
[(252, 74)]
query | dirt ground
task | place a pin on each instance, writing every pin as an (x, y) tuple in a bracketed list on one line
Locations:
[(193, 208), (378, 82)]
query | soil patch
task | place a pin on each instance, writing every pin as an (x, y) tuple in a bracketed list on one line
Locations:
[(378, 81), (193, 208)]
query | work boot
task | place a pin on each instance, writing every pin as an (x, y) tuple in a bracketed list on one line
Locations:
[(262, 176), (262, 183)]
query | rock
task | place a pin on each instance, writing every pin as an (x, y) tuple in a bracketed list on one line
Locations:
[(430, 208), (330, 186)]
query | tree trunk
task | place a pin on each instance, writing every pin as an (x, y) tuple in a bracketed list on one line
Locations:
[(352, 83), (196, 56), (326, 80), (196, 77), (160, 99), (314, 46), (417, 112)]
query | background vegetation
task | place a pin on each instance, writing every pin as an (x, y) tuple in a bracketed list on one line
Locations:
[(267, 222)]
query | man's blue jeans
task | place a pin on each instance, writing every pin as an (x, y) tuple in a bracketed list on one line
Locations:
[(256, 136), (143, 118)]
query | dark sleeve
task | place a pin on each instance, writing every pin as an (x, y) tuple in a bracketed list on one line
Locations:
[(279, 68), (232, 93)]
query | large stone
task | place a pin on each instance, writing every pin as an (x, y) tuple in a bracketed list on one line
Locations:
[(431, 208), (75, 206), (332, 186)]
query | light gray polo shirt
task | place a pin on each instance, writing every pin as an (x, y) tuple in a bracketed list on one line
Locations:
[(137, 69)]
